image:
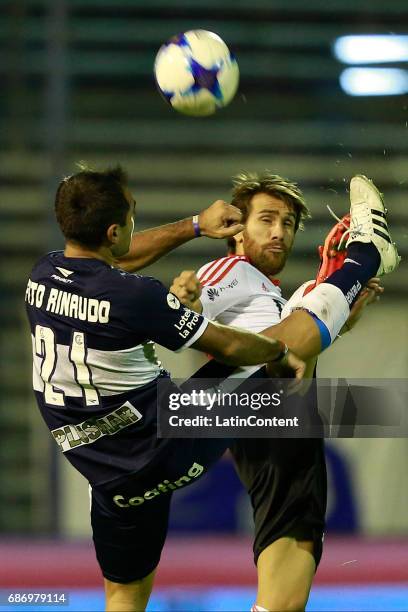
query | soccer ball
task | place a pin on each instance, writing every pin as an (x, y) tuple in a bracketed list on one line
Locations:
[(196, 73)]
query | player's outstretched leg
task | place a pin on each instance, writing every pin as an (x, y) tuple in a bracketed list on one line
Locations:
[(310, 323)]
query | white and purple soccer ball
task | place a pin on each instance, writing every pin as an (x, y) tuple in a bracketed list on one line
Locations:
[(196, 73)]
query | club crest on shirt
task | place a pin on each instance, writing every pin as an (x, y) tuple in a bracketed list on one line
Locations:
[(173, 302)]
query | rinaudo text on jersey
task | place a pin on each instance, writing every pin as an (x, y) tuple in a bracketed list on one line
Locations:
[(67, 304)]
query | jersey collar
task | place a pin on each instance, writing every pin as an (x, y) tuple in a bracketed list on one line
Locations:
[(274, 281)]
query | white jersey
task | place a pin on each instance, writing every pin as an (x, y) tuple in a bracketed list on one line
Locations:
[(234, 292)]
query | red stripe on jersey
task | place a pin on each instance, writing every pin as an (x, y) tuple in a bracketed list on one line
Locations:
[(213, 270), (216, 280), (209, 267), (216, 270)]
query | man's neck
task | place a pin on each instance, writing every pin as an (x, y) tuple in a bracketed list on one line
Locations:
[(240, 251), (75, 250)]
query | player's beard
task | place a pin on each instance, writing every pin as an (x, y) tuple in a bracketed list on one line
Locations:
[(268, 262)]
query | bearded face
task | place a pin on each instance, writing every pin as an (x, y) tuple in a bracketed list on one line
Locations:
[(269, 233)]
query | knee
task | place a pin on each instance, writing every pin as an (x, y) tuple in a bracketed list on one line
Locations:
[(295, 602), (130, 597)]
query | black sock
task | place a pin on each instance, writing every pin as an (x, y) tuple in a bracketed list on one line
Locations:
[(352, 277)]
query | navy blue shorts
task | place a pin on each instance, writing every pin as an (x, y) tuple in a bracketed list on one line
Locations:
[(129, 517)]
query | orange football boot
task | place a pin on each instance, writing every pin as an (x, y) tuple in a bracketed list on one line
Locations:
[(333, 253)]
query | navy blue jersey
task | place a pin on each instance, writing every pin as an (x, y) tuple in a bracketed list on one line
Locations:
[(95, 369)]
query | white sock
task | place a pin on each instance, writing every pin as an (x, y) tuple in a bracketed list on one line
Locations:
[(326, 301)]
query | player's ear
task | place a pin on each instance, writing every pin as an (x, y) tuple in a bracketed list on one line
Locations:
[(112, 233)]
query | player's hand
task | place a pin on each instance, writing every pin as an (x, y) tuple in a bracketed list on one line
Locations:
[(290, 366), (187, 288), (370, 294), (220, 220), (372, 291)]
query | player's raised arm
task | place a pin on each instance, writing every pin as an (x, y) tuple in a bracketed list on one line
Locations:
[(220, 220)]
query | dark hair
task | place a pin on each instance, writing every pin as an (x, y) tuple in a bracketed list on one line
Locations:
[(248, 184), (88, 202)]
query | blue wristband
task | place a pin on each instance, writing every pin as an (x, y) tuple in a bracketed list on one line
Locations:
[(196, 226)]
